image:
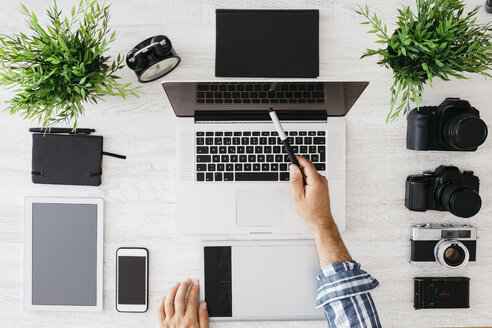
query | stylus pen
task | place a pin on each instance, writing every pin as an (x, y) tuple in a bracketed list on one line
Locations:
[(62, 130), (284, 139)]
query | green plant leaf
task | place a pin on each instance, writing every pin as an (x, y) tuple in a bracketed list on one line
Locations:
[(438, 39), (61, 66)]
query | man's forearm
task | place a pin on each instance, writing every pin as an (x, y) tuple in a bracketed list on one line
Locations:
[(329, 243), (343, 288)]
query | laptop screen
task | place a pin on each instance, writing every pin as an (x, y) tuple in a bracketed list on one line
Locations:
[(334, 98)]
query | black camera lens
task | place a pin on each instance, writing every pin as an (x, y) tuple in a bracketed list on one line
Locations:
[(465, 132), (465, 203), (460, 200)]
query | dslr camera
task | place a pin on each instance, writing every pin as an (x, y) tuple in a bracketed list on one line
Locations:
[(453, 125), (441, 292), (452, 246), (445, 189)]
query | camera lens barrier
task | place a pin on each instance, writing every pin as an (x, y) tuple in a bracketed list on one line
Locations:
[(466, 132), (460, 200), (465, 202), (451, 253)]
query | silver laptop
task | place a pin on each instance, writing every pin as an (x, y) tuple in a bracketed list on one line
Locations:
[(232, 171)]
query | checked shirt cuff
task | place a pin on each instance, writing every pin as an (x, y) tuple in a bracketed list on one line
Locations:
[(342, 280)]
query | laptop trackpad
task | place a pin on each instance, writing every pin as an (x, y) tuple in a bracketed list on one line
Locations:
[(260, 208)]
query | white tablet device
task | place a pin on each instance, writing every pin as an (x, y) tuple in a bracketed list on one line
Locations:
[(260, 280), (63, 254)]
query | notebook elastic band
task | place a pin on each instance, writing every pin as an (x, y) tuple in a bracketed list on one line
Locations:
[(114, 155)]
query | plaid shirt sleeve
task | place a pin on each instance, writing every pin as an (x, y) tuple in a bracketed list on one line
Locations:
[(343, 292)]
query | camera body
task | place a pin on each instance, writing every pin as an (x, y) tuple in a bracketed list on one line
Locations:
[(452, 246), (441, 292), (453, 125), (445, 189)]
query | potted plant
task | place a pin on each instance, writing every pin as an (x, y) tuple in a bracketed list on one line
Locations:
[(62, 66), (437, 40)]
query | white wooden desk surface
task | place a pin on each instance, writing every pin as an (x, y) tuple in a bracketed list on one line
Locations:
[(139, 196)]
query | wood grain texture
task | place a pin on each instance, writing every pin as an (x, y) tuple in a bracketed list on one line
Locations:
[(139, 195)]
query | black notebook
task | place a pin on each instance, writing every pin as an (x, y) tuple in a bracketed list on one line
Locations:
[(267, 43), (64, 158)]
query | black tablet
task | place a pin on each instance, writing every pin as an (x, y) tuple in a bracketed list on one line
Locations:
[(267, 43)]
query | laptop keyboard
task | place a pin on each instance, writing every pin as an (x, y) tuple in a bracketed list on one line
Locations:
[(254, 156), (258, 92)]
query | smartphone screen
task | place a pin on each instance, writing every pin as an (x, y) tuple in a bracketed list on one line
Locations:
[(131, 280)]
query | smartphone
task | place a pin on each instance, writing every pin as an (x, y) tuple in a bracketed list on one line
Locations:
[(132, 279)]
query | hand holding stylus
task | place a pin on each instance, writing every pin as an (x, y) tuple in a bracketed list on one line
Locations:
[(311, 200)]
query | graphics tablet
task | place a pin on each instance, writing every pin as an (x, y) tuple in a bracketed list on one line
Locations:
[(260, 280), (63, 254)]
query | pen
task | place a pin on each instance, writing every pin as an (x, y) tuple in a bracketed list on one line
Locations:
[(284, 139), (62, 130)]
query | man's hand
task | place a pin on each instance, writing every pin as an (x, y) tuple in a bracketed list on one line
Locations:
[(312, 203), (175, 313), (312, 200)]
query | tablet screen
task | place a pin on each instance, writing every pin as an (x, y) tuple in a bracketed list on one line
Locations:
[(64, 254)]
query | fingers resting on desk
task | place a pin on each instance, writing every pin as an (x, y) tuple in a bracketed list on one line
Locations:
[(177, 311)]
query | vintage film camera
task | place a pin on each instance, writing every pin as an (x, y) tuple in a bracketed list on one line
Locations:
[(452, 246), (441, 292)]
